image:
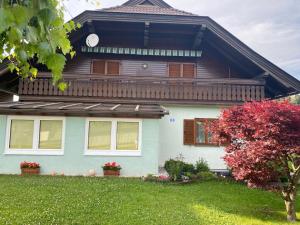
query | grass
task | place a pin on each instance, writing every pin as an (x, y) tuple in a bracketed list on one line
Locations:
[(77, 200)]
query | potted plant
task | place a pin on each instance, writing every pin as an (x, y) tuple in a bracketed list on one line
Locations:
[(29, 168), (111, 169)]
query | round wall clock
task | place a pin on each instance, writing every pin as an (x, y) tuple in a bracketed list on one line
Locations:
[(92, 40)]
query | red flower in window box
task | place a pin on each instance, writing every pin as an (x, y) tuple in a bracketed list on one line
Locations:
[(29, 168), (111, 169)]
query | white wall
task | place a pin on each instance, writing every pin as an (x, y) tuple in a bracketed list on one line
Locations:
[(171, 136)]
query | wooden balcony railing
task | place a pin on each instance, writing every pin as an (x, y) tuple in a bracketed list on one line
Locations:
[(137, 88)]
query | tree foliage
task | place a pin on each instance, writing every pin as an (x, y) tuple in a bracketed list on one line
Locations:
[(264, 145), (34, 31)]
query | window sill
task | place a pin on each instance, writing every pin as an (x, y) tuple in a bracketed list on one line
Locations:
[(113, 153), (208, 145), (34, 152)]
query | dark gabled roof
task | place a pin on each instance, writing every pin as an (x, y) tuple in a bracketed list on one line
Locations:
[(155, 7), (156, 11), (148, 9), (83, 109), (159, 3)]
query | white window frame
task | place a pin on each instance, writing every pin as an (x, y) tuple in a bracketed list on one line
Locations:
[(36, 133), (113, 150)]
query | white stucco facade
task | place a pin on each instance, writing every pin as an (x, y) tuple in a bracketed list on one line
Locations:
[(171, 136)]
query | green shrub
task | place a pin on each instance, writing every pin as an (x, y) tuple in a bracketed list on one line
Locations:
[(202, 166), (206, 176), (188, 168), (191, 176), (174, 169)]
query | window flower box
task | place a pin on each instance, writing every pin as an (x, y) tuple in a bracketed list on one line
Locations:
[(113, 173), (111, 169), (28, 168)]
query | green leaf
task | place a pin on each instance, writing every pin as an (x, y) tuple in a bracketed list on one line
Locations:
[(21, 14), (62, 86), (72, 54), (47, 16), (14, 35), (6, 19), (58, 39), (44, 50), (11, 67), (56, 62), (22, 55), (32, 34), (33, 71)]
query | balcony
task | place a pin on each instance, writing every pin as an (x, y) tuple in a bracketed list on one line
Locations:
[(92, 88)]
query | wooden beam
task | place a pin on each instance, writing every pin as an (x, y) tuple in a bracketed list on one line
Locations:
[(91, 27), (146, 34), (14, 104), (68, 106), (92, 106), (137, 108), (43, 105), (115, 107), (199, 37)]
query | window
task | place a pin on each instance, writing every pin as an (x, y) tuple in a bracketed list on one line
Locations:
[(35, 135), (113, 137), (127, 135), (50, 134), (197, 132), (99, 135), (185, 70), (21, 134), (105, 67)]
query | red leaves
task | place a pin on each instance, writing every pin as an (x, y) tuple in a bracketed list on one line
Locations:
[(261, 134)]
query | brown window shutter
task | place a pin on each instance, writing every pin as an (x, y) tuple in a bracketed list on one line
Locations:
[(188, 70), (174, 70), (189, 132), (98, 67), (113, 68)]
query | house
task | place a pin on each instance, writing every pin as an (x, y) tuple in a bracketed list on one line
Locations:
[(146, 81)]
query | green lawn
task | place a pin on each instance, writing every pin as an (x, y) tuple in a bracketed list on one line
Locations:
[(78, 200)]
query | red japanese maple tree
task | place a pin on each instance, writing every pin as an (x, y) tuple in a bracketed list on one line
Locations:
[(264, 146)]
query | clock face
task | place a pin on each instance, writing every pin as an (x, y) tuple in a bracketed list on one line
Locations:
[(92, 40)]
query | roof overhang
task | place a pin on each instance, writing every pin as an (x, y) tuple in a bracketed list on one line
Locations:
[(83, 109)]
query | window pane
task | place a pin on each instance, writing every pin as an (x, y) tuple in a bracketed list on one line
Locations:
[(113, 68), (21, 134), (127, 136), (50, 134), (200, 132), (99, 135), (174, 70), (98, 66), (188, 70), (209, 133)]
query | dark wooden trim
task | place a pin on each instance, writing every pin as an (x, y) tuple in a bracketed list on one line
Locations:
[(204, 81), (134, 101), (161, 90)]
